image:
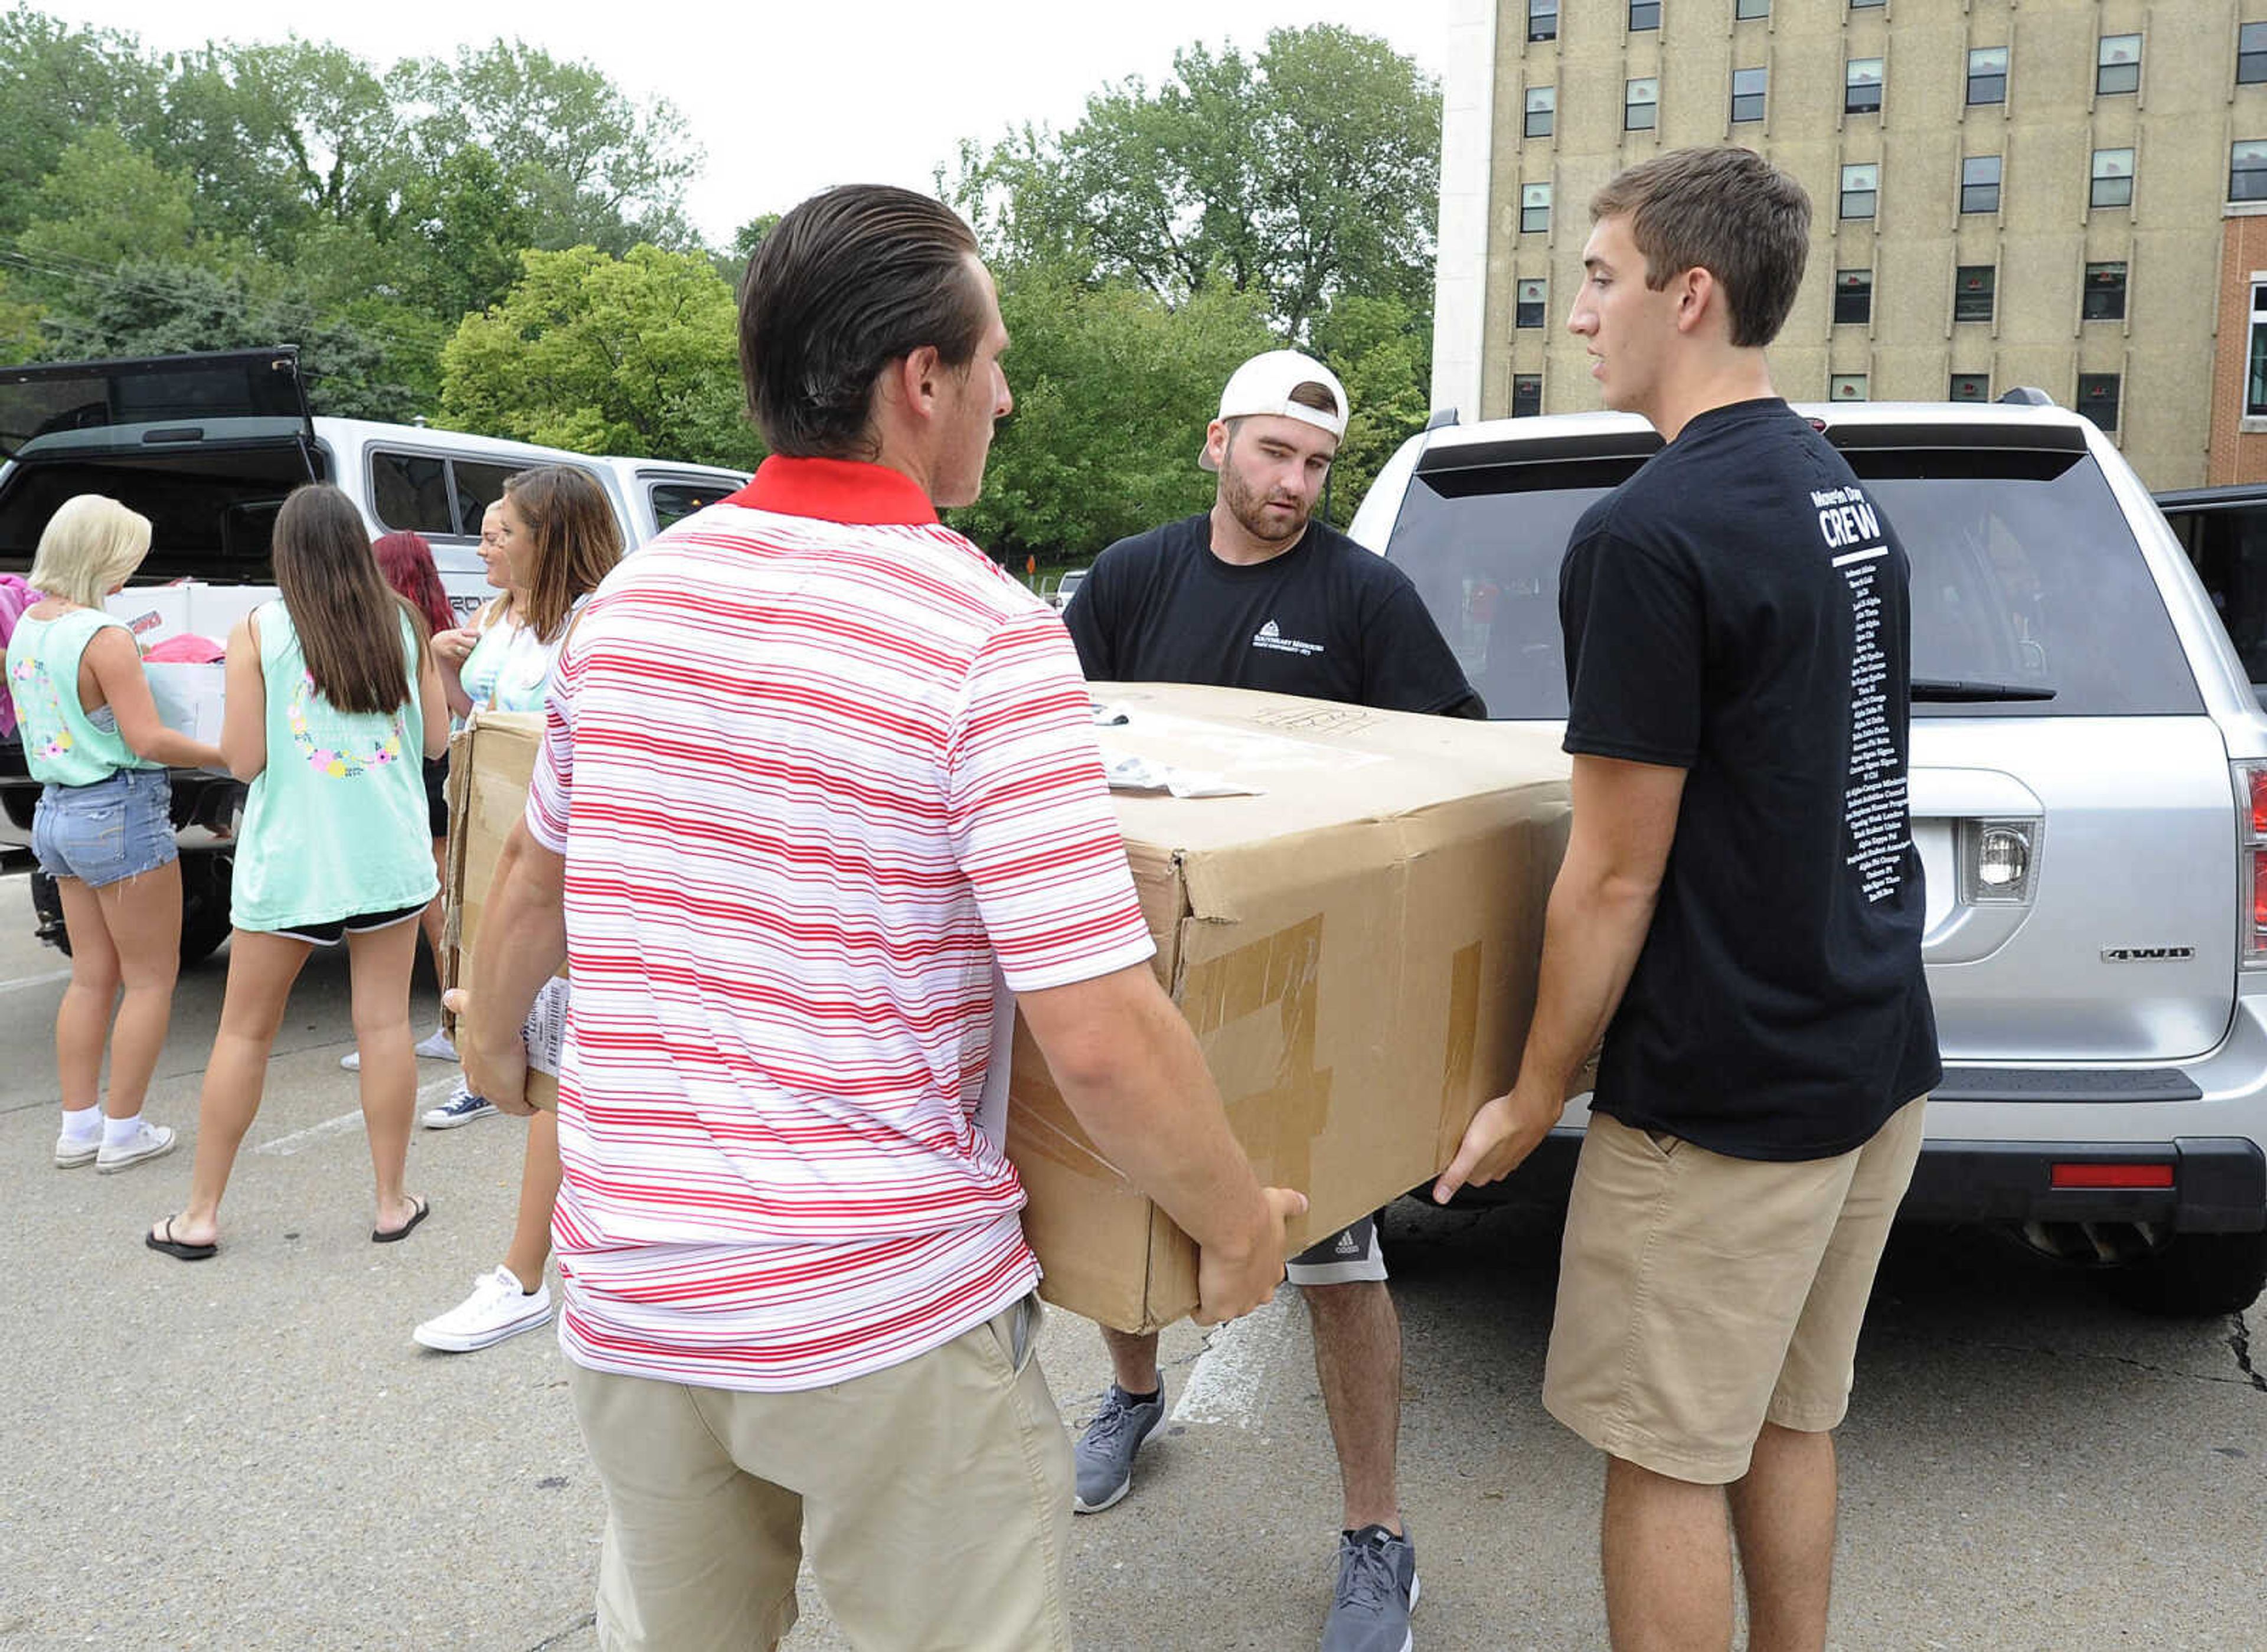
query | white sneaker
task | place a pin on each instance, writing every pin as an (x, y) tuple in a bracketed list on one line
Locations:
[(151, 1141), (435, 1048), (498, 1308), (71, 1151)]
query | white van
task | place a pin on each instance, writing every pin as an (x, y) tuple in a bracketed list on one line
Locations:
[(207, 447)]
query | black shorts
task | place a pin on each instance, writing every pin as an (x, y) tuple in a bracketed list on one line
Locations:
[(338, 928), (436, 795)]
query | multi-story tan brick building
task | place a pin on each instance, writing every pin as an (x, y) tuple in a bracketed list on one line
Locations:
[(2051, 193)]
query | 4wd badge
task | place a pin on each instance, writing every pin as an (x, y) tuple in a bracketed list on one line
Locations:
[(2147, 954)]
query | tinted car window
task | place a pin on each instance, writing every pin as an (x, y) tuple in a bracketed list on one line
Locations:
[(478, 486), (2023, 572), (674, 501), (2230, 549), (411, 491)]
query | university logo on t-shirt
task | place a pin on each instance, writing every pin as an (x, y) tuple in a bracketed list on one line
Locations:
[(1270, 636)]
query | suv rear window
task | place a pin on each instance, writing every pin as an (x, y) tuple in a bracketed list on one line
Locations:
[(2023, 572)]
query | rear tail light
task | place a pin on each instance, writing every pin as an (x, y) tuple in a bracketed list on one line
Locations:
[(2251, 792), (2081, 1176)]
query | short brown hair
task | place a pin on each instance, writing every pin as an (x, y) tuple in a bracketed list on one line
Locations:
[(577, 541), (852, 280), (1727, 210)]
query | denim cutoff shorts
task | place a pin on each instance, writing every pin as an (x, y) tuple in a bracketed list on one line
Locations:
[(113, 829)]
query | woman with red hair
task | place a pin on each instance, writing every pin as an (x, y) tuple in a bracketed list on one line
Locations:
[(407, 561)]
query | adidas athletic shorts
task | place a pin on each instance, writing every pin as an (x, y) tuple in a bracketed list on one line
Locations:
[(1350, 1254)]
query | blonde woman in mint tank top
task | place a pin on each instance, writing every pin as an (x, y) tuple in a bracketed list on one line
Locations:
[(333, 702), (103, 829)]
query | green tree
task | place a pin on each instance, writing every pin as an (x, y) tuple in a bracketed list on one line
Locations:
[(106, 202), (283, 138), (146, 308), (1306, 172), (58, 83), (635, 355), (1113, 389), (591, 164)]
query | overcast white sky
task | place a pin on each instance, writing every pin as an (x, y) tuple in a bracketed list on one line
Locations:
[(789, 98)]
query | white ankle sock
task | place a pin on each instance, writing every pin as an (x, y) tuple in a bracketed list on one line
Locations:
[(82, 1124), (119, 1131)]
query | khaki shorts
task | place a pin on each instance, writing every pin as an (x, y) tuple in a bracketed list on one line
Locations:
[(1700, 1297), (934, 1498)]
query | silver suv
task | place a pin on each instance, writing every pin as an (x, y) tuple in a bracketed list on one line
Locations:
[(2090, 795)]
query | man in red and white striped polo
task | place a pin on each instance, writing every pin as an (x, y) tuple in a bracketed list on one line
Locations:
[(818, 793)]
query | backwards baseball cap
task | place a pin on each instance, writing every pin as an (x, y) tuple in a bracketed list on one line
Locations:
[(1264, 385)]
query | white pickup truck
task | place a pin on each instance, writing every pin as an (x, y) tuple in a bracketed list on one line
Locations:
[(207, 446)]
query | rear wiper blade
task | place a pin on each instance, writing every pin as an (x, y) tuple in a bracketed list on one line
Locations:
[(1945, 690)]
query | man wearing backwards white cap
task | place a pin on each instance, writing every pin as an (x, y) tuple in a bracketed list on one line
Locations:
[(1254, 594)]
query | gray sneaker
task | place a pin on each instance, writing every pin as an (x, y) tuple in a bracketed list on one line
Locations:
[(1104, 1452), (1377, 1590)]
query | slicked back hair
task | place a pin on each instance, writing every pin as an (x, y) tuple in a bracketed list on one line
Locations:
[(1727, 210), (851, 280)]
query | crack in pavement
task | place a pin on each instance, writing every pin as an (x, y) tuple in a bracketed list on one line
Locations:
[(575, 1628), (2249, 1379), (2239, 1344)]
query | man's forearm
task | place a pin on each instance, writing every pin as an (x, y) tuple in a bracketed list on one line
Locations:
[(523, 939), (1137, 1083), (1593, 930)]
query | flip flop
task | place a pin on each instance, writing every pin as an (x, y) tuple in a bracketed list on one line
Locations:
[(180, 1249), (424, 1209)]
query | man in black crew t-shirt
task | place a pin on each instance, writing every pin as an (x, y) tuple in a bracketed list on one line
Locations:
[(1739, 913), (1254, 594)]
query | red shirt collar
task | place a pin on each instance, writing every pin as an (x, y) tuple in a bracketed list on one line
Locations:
[(836, 490)]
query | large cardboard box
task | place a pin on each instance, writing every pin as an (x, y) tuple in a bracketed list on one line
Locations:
[(187, 607), (188, 697), (1351, 923), (1355, 946), (491, 763)]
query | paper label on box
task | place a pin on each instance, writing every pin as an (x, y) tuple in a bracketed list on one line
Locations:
[(992, 1104), (547, 1028)]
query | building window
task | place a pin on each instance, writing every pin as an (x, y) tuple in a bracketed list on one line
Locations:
[(1534, 208), (1542, 110), (1861, 187), (1979, 184), (2246, 171), (2097, 398), (1751, 9), (2105, 292), (1853, 297), (1534, 300), (1866, 5), (1861, 86), (1641, 106), (1542, 19), (2113, 179), (1971, 388), (2251, 54), (1846, 387), (2117, 65), (1972, 287), (1748, 85), (1644, 14), (1987, 75), (1526, 395), (2255, 388)]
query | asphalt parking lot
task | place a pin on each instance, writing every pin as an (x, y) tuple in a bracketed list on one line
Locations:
[(252, 1452)]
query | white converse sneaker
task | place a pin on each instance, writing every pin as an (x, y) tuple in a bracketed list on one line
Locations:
[(498, 1308), (437, 1047), (71, 1151), (151, 1141)]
